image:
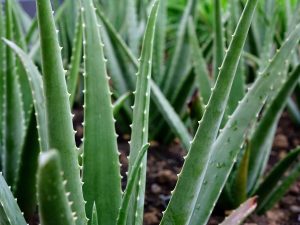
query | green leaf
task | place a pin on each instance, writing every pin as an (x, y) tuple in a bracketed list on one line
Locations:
[(226, 148), (272, 181), (14, 121), (2, 75), (139, 134), (9, 206), (157, 96), (95, 217), (129, 191), (54, 206), (218, 37), (74, 67), (37, 91), (102, 186), (262, 138), (191, 179), (25, 190), (60, 128), (203, 80)]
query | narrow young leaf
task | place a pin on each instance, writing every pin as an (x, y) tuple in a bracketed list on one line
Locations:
[(218, 37), (73, 72), (60, 128), (283, 185), (129, 191), (139, 134), (101, 170)]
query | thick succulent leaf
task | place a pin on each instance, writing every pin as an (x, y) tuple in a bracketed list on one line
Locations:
[(266, 189), (132, 24), (24, 84), (101, 170), (60, 128), (157, 96), (191, 179), (180, 58), (9, 206), (54, 206), (218, 38), (14, 121), (2, 74), (280, 189), (242, 212), (159, 42), (37, 91), (139, 134), (203, 80), (129, 191), (26, 184), (73, 72), (261, 141), (226, 147)]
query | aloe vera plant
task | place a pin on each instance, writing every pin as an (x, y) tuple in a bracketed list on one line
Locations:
[(88, 190)]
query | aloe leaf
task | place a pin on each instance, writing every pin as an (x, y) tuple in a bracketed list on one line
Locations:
[(14, 121), (2, 75), (37, 91), (132, 24), (101, 185), (60, 128), (139, 134), (218, 37), (24, 84), (54, 206), (280, 183), (203, 80), (9, 205), (261, 141), (26, 184), (119, 103), (191, 179), (180, 57), (169, 114), (273, 178), (157, 96), (227, 145), (74, 67), (242, 212), (95, 217), (159, 42), (129, 191)]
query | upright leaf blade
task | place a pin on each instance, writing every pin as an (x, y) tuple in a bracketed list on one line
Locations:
[(139, 134), (60, 129), (101, 170)]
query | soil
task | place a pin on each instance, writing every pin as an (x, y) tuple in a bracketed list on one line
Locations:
[(165, 162)]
